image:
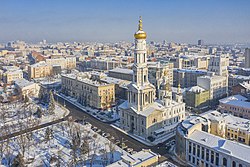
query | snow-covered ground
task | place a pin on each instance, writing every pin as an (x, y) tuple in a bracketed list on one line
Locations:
[(55, 146), (18, 116)]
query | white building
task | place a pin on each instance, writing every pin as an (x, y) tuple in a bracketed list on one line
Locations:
[(206, 140), (217, 85), (218, 65), (142, 114), (237, 105)]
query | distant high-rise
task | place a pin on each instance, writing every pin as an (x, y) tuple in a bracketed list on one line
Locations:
[(247, 58), (200, 42)]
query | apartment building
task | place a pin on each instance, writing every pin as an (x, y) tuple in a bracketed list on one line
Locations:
[(40, 70), (87, 91), (237, 105)]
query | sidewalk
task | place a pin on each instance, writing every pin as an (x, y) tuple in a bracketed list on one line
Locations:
[(93, 112)]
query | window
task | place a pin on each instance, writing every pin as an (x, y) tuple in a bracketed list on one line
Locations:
[(234, 164), (217, 159), (190, 147), (207, 155), (224, 162), (194, 151), (212, 157), (202, 152), (198, 151)]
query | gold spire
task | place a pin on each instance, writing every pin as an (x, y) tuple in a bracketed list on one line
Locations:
[(179, 88), (140, 34), (140, 25)]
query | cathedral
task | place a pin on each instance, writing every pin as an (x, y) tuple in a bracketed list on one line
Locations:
[(142, 114)]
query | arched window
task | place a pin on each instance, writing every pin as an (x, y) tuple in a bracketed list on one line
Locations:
[(240, 165), (234, 164), (224, 162)]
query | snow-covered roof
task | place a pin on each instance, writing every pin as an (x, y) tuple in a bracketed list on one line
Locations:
[(134, 159), (196, 89), (21, 83), (222, 145), (236, 100), (122, 70), (191, 71)]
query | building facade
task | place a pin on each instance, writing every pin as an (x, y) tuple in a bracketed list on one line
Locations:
[(186, 78), (12, 75), (237, 105), (87, 91), (206, 140), (217, 85), (197, 97), (142, 114), (68, 62), (40, 70)]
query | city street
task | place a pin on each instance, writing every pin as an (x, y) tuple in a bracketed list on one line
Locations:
[(77, 113)]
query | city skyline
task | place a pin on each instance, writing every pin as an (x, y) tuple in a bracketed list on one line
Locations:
[(113, 21)]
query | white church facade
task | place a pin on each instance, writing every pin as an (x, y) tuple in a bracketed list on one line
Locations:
[(142, 114)]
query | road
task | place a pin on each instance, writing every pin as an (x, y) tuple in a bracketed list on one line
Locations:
[(77, 113), (32, 129)]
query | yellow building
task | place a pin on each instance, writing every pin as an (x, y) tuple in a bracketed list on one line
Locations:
[(87, 91), (65, 62), (197, 97), (39, 70), (12, 75)]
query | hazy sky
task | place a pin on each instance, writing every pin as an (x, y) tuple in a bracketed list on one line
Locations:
[(116, 20)]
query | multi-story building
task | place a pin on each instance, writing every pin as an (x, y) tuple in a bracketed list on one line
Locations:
[(190, 62), (87, 91), (121, 73), (40, 70), (10, 76), (101, 64), (186, 77), (242, 89), (218, 65), (142, 114), (26, 88), (234, 80), (237, 105), (247, 58), (197, 97), (206, 140), (68, 62), (217, 85), (139, 159)]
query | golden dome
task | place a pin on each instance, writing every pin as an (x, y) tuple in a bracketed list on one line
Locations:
[(140, 34)]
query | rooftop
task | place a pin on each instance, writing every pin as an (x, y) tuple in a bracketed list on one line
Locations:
[(196, 89), (134, 159), (228, 147), (122, 70), (84, 77), (236, 100), (21, 83)]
